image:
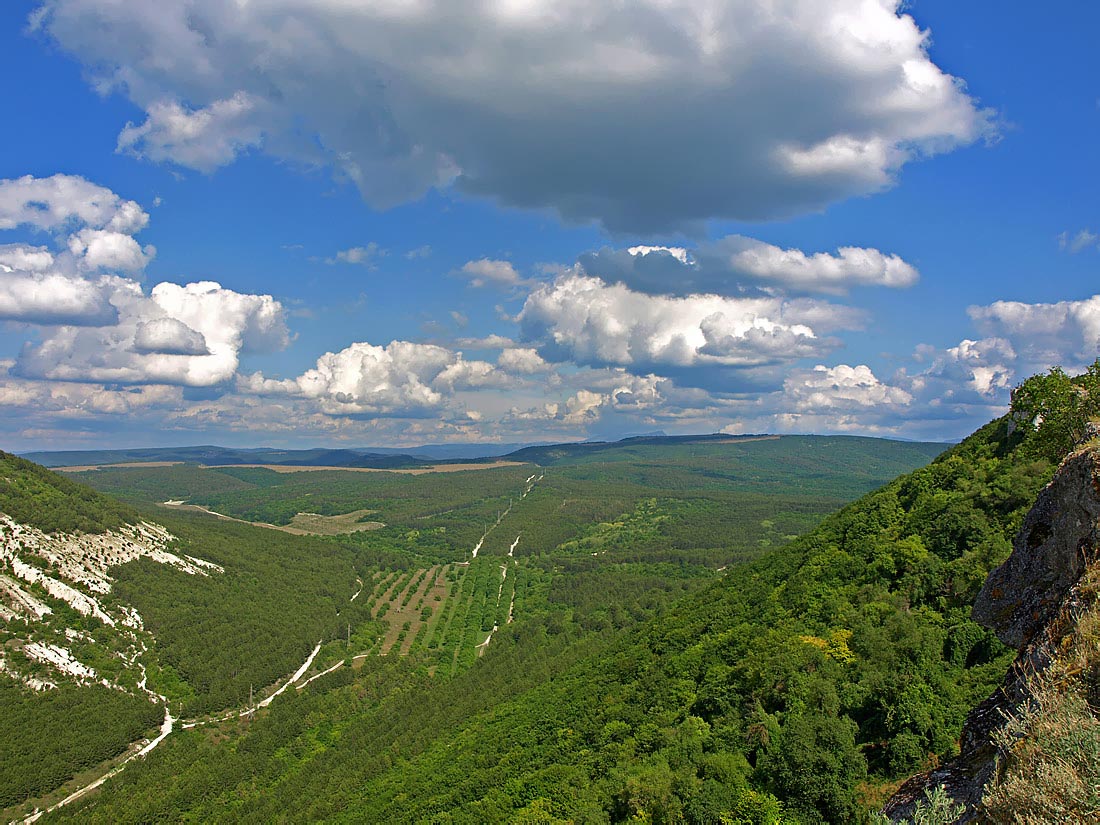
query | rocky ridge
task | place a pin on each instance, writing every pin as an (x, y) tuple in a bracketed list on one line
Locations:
[(1033, 603), (37, 568)]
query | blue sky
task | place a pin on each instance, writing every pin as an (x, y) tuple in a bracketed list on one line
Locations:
[(389, 223)]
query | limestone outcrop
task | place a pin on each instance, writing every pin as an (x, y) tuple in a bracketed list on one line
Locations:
[(1031, 602)]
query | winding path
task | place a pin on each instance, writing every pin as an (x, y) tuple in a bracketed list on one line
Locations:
[(529, 486), (168, 725), (166, 728), (336, 666)]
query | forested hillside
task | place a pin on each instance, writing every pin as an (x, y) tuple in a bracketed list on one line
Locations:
[(713, 495), (32, 495), (798, 688), (107, 621), (464, 590)]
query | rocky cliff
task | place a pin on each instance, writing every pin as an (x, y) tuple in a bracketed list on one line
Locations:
[(1034, 603)]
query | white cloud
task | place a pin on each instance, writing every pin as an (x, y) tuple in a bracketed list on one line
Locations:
[(677, 252), (468, 375), (61, 201), (973, 372), (486, 272), (105, 328), (840, 388), (189, 335), (522, 360), (582, 407), (735, 262), (605, 401), (363, 255), (1082, 239), (39, 286), (851, 266), (104, 249), (837, 399), (54, 298), (365, 378), (400, 379), (737, 108), (20, 257), (1066, 333), (169, 336), (79, 400), (971, 381), (203, 139), (585, 320), (493, 341)]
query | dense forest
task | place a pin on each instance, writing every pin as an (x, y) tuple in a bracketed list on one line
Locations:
[(798, 688), (799, 684), (577, 557), (633, 685), (715, 493), (32, 495)]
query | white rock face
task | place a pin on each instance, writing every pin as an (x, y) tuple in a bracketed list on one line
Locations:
[(20, 601), (33, 682), (77, 572), (84, 605), (60, 658), (84, 559)]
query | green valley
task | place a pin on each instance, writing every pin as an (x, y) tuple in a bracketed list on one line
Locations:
[(663, 632)]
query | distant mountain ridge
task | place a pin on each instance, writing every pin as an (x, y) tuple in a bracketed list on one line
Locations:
[(550, 453), (218, 456), (381, 457), (211, 454)]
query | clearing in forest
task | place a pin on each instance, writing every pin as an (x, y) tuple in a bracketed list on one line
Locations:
[(409, 471), (318, 525), (303, 524), (415, 603)]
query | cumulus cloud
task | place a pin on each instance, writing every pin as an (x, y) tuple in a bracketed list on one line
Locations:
[(400, 379), (956, 388), (61, 201), (104, 327), (486, 272), (23, 258), (840, 388), (977, 372), (522, 360), (67, 286), (54, 298), (201, 139), (618, 392), (492, 341), (70, 400), (837, 399), (1019, 339), (587, 321), (168, 336), (104, 249), (735, 262), (765, 111), (851, 266), (190, 335), (1066, 333)]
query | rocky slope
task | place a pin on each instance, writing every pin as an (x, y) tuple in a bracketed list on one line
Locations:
[(1037, 602), (42, 573)]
